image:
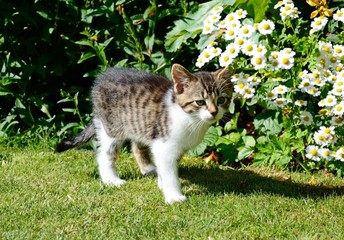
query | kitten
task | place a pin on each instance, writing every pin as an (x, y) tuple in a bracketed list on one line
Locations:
[(159, 117)]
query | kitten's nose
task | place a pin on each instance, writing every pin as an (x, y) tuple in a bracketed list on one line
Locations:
[(213, 113), (212, 110)]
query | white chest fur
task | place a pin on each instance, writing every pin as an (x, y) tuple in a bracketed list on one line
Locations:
[(186, 130)]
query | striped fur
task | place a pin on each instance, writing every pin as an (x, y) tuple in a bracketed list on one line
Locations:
[(161, 118)]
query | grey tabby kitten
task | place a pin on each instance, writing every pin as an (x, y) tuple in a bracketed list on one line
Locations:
[(160, 118)]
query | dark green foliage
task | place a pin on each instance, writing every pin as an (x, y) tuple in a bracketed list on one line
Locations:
[(46, 46)]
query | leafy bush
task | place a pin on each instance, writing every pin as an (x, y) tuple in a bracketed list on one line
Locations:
[(289, 78), (46, 46)]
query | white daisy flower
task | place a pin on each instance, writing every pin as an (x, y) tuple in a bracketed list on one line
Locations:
[(338, 50), (329, 101), (280, 102), (233, 49), (339, 155), (208, 28), (325, 47), (240, 13), (249, 48), (285, 61), (337, 91), (321, 139), (306, 118), (217, 10), (231, 17), (337, 121), (301, 103), (254, 81), (258, 61), (231, 33), (266, 27), (212, 19), (270, 96), (240, 41), (248, 92), (280, 89), (226, 58), (339, 15), (305, 83), (318, 24), (237, 77), (246, 31), (240, 86), (338, 109), (312, 90), (260, 49), (312, 153), (325, 153), (234, 24)]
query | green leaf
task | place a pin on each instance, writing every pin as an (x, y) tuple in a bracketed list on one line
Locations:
[(86, 56), (269, 123), (249, 141), (68, 126), (245, 152), (191, 25)]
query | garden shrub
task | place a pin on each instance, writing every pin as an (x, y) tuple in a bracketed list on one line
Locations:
[(46, 46), (289, 76)]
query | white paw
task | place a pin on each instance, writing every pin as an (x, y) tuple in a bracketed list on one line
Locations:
[(117, 182), (149, 170), (175, 198)]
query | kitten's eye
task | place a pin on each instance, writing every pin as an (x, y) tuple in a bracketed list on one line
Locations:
[(200, 102), (221, 100)]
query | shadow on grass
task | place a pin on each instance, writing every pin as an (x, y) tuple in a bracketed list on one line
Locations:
[(218, 181)]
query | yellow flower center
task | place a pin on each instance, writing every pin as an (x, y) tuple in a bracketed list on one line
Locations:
[(327, 131), (266, 26), (270, 94), (241, 85), (327, 49), (226, 58), (285, 61), (231, 33), (314, 152), (338, 120), (240, 42), (259, 61)]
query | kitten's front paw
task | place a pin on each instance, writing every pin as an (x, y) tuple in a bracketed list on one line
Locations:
[(174, 199), (114, 182)]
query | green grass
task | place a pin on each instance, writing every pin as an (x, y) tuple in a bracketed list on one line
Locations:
[(44, 195)]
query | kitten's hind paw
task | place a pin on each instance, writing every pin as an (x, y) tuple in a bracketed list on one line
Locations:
[(174, 199), (149, 170), (114, 182)]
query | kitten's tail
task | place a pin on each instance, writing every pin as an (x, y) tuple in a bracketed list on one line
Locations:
[(83, 137)]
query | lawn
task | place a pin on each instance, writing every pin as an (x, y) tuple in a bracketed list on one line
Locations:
[(44, 195)]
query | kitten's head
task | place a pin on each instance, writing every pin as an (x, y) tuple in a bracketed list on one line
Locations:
[(205, 95)]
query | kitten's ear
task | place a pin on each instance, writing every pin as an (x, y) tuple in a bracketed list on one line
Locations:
[(181, 78), (222, 73)]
